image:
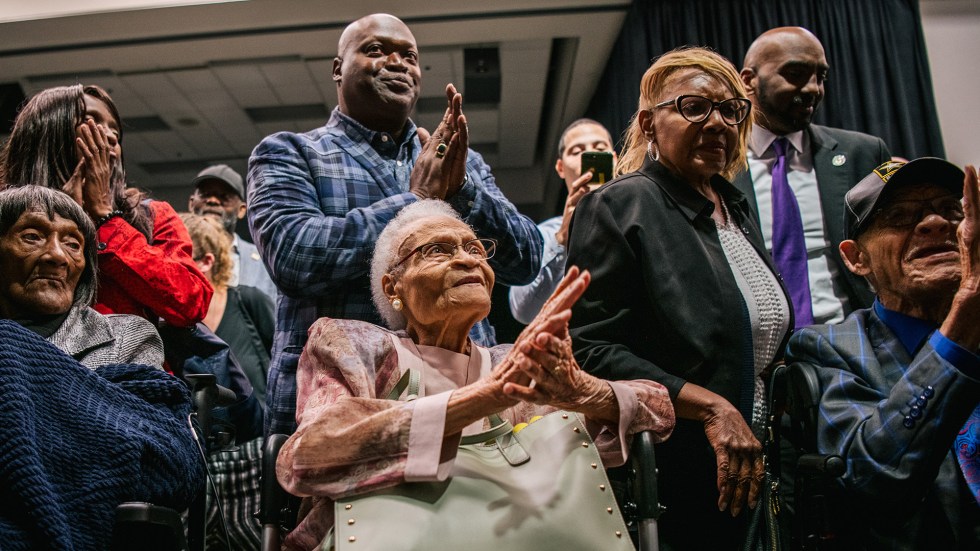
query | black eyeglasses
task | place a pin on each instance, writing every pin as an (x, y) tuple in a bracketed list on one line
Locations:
[(908, 214), (698, 109), (481, 249)]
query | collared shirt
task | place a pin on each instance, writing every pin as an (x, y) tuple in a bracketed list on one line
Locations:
[(828, 303), (913, 333), (318, 202), (526, 300), (236, 263)]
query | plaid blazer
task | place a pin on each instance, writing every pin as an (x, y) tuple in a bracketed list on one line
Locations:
[(902, 488), (317, 203)]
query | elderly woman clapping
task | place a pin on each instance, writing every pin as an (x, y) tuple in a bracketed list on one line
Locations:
[(684, 292), (432, 283)]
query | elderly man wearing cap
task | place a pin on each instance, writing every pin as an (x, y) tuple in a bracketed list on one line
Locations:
[(219, 192), (900, 381)]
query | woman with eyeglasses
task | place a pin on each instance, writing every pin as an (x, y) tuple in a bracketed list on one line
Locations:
[(431, 282), (69, 138), (683, 291)]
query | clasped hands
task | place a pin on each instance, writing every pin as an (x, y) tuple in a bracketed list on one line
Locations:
[(540, 368), (440, 168), (90, 185)]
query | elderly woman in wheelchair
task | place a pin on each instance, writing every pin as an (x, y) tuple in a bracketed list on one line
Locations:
[(431, 282), (89, 418)]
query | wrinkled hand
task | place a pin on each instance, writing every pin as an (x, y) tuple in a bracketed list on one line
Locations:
[(435, 177), (559, 381), (552, 320), (968, 235), (91, 181), (579, 188), (739, 458)]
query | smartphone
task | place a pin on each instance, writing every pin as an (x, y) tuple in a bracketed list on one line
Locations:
[(600, 163)]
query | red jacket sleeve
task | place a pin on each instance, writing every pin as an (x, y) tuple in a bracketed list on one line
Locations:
[(158, 278)]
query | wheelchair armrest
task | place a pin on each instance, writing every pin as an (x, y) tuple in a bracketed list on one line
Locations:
[(643, 462), (276, 511), (145, 526)]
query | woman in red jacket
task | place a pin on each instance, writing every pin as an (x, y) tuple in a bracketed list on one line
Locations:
[(70, 138)]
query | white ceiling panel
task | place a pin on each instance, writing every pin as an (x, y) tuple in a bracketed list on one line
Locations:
[(246, 84), (291, 83)]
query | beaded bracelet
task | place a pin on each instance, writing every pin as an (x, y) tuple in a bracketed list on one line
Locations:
[(103, 219)]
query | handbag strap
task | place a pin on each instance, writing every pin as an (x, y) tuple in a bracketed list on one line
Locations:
[(498, 427), (411, 380)]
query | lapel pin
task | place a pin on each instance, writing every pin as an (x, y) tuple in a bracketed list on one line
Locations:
[(838, 160)]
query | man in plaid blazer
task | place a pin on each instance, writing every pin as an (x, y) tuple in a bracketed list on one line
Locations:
[(319, 200), (900, 381)]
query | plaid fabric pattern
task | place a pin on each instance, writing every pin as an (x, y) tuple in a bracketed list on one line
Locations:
[(893, 417), (317, 203), (237, 476)]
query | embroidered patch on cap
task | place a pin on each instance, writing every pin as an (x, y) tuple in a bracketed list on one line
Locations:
[(885, 170)]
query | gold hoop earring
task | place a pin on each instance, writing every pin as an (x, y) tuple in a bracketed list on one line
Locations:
[(397, 304)]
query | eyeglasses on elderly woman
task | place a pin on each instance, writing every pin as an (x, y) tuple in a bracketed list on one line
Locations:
[(698, 108), (481, 249)]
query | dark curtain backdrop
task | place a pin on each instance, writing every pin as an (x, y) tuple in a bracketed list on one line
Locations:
[(879, 75)]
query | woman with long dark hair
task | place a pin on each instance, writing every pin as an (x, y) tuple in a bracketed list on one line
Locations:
[(70, 138)]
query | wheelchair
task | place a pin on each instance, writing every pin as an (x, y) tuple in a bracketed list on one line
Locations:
[(148, 527), (810, 477)]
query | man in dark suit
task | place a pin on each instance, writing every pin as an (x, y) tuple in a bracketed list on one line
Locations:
[(900, 381), (219, 192), (784, 73)]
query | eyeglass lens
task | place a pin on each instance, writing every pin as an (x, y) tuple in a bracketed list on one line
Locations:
[(697, 109), (909, 213)]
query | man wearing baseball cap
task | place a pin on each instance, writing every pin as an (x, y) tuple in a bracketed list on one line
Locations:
[(219, 192), (900, 381)]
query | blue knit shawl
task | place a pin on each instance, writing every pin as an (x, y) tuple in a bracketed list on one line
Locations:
[(75, 443)]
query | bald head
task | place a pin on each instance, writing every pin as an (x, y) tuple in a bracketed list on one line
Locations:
[(777, 40), (784, 73), (377, 72)]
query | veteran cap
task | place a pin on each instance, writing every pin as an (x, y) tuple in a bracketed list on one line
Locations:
[(864, 198)]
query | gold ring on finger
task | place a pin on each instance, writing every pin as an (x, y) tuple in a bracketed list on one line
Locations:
[(441, 149)]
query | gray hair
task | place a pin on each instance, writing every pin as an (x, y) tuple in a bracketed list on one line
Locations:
[(386, 252), (14, 202)]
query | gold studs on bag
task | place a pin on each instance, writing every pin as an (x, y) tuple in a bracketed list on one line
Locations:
[(585, 444), (602, 487), (609, 510), (352, 539), (575, 429), (594, 466), (348, 506), (350, 522), (619, 534)]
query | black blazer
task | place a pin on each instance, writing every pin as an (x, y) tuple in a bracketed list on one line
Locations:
[(861, 154), (664, 305)]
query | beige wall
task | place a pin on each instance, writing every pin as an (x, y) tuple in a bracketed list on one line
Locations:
[(952, 32)]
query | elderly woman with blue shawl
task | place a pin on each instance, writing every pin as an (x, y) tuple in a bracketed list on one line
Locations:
[(88, 418)]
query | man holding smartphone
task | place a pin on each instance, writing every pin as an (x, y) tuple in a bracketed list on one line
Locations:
[(582, 136)]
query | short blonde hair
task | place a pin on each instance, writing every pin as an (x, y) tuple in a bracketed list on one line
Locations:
[(207, 236), (652, 85)]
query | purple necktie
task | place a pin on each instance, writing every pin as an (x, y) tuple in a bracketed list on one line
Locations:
[(788, 245), (966, 452)]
